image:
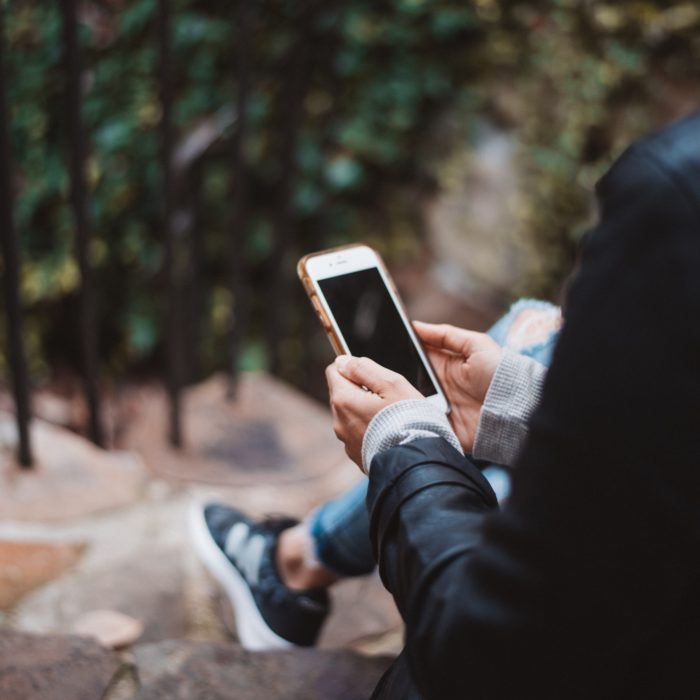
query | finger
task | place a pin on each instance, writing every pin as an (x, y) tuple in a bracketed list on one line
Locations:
[(447, 337), (437, 357), (365, 372), (331, 379), (337, 383), (344, 392)]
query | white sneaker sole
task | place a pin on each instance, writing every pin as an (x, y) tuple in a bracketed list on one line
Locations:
[(253, 632)]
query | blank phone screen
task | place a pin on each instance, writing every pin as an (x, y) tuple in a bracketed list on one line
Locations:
[(372, 327)]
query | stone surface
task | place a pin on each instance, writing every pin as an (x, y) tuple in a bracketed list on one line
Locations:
[(147, 586), (110, 628), (363, 613), (472, 223), (270, 433), (25, 566), (125, 685), (139, 562), (54, 667), (273, 451), (187, 671), (71, 477)]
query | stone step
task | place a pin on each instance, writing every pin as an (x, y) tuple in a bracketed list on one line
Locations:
[(139, 562), (57, 667), (189, 671), (54, 667), (133, 566)]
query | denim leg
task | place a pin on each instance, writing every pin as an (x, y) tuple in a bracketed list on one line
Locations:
[(340, 529)]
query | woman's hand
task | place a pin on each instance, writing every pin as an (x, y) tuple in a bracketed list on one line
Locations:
[(465, 362), (354, 406)]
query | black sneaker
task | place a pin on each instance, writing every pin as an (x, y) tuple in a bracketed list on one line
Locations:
[(240, 554)]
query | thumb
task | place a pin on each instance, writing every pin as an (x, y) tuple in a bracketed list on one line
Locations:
[(446, 337), (365, 372)]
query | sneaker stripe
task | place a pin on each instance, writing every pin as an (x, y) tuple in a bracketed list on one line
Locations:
[(235, 538), (248, 554)]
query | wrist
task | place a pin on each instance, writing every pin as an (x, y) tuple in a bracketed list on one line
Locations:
[(402, 422)]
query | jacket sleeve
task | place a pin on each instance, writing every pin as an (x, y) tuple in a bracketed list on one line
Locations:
[(561, 593)]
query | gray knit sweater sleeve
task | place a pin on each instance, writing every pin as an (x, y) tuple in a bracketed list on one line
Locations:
[(402, 422), (513, 394)]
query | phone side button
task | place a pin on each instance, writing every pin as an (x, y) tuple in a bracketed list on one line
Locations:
[(307, 284), (319, 312)]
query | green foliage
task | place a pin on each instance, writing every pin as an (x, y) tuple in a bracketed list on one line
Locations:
[(581, 75), (596, 73)]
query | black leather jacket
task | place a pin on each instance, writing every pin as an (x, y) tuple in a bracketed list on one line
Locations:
[(587, 584)]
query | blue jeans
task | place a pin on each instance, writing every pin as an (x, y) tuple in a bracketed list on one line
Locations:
[(340, 528)]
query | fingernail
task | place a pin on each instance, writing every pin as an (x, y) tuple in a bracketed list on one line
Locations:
[(341, 361)]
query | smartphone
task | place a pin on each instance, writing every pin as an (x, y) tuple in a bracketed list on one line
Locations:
[(358, 305)]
